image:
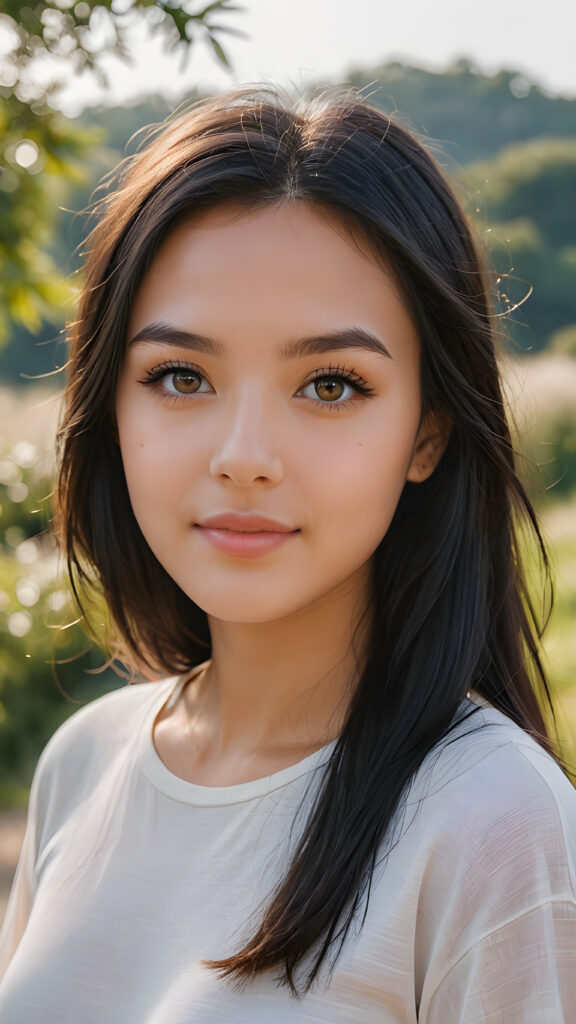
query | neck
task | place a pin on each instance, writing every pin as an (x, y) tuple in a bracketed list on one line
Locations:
[(284, 685)]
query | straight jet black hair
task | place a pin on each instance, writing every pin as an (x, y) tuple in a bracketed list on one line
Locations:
[(450, 609)]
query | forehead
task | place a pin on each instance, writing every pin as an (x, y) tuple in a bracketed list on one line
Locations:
[(284, 226), (291, 267), (292, 229)]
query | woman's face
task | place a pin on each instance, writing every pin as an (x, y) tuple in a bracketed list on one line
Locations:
[(271, 368)]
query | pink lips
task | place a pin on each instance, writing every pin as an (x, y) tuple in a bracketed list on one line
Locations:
[(245, 535)]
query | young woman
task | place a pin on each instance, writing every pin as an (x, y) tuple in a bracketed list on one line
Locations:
[(286, 465)]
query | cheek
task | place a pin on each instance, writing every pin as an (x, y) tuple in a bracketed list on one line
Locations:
[(356, 490), (157, 472)]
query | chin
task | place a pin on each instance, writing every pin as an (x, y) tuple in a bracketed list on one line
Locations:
[(242, 605)]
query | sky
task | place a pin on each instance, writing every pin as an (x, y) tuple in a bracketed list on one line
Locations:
[(297, 42)]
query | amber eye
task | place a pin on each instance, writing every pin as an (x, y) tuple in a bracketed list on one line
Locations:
[(185, 381), (328, 388)]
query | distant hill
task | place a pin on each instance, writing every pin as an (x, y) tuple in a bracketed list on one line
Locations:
[(473, 115)]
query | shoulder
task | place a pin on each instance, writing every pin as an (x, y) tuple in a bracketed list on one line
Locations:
[(112, 716), (497, 818), (490, 780), (508, 766), (93, 737)]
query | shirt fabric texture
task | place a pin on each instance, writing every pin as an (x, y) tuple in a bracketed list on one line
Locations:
[(130, 877)]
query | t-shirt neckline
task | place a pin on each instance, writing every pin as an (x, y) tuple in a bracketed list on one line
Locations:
[(212, 796)]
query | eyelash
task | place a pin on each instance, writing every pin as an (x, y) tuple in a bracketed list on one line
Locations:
[(341, 373)]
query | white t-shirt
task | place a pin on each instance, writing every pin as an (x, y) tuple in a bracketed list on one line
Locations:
[(130, 877)]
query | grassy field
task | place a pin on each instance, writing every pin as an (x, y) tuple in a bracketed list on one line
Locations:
[(542, 393), (560, 636)]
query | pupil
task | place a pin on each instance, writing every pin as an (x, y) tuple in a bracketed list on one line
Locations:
[(330, 389), (185, 382)]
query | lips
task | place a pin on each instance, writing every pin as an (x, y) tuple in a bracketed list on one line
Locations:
[(246, 523), (247, 535)]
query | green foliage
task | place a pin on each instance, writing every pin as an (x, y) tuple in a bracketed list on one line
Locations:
[(563, 342), (525, 211), (81, 33), (560, 637), (471, 114), (43, 155), (40, 349), (521, 195), (548, 447), (534, 179), (538, 277), (47, 664)]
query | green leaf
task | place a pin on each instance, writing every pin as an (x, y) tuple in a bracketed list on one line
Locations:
[(219, 51), (31, 289), (218, 5)]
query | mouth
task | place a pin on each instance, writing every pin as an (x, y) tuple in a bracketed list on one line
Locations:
[(245, 523), (227, 529), (246, 542)]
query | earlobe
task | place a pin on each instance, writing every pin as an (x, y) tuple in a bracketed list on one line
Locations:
[(429, 447)]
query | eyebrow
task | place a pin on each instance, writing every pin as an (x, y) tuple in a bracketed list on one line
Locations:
[(298, 348)]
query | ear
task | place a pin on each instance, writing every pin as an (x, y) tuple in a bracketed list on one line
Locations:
[(430, 444)]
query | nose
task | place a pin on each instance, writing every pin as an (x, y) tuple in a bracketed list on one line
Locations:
[(245, 454)]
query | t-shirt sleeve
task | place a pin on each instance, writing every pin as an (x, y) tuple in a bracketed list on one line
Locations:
[(23, 887), (80, 755), (497, 929), (51, 787), (522, 973)]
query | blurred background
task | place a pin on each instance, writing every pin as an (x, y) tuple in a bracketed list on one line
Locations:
[(491, 87)]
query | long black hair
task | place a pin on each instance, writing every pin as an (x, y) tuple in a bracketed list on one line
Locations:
[(450, 609)]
